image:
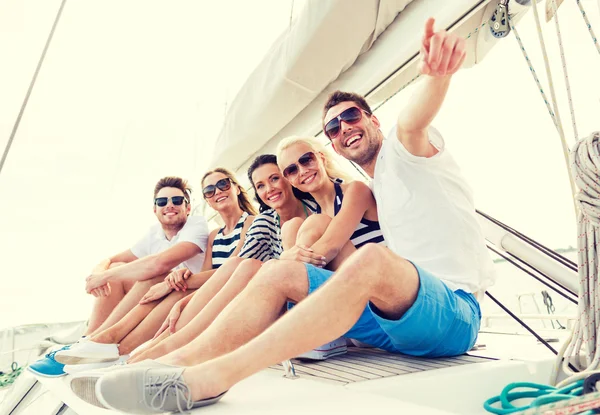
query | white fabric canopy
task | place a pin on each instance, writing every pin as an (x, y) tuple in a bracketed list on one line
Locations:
[(368, 47)]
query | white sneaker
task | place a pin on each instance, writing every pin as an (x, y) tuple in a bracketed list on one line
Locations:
[(73, 369), (334, 348), (88, 352)]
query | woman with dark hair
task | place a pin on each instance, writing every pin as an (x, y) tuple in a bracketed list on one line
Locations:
[(279, 203)]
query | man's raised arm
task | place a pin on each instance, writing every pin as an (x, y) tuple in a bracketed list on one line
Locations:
[(442, 54)]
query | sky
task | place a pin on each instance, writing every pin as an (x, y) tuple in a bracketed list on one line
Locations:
[(132, 91)]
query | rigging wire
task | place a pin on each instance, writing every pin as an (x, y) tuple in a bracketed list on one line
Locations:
[(31, 85), (549, 252), (556, 288), (553, 112), (524, 325), (565, 72), (559, 124)]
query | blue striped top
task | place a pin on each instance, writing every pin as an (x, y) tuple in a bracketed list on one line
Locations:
[(367, 231), (224, 245)]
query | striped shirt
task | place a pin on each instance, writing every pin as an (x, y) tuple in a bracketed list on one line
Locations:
[(224, 245), (367, 231), (263, 239)]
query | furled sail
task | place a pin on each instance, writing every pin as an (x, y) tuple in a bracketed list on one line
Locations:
[(367, 47)]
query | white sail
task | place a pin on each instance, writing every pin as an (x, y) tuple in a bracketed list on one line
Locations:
[(369, 48)]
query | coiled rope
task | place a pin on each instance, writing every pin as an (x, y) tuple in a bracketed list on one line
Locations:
[(583, 346), (7, 379)]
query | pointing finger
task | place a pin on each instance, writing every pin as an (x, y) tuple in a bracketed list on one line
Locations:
[(429, 23)]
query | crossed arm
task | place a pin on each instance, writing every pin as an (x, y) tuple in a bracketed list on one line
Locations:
[(141, 269), (183, 279), (358, 200)]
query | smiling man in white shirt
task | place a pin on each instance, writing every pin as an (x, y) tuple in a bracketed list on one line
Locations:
[(417, 297), (119, 282)]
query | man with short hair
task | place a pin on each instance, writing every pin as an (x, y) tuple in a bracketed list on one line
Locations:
[(119, 282), (177, 241), (418, 297)]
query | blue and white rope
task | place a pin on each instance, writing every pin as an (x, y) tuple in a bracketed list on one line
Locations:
[(589, 26), (565, 72), (532, 70)]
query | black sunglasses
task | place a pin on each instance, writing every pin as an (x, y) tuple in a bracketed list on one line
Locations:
[(350, 116), (162, 201), (306, 160), (210, 190)]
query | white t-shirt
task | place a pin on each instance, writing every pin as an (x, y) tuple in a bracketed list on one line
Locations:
[(195, 231), (427, 214)]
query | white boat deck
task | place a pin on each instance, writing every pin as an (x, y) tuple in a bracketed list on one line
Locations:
[(356, 383)]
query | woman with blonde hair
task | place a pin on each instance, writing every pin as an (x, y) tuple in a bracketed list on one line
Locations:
[(346, 217), (346, 212), (279, 203), (227, 197)]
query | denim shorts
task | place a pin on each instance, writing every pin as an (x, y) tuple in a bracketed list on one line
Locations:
[(441, 322)]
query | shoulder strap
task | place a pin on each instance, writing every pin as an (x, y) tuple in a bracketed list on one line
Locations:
[(339, 196)]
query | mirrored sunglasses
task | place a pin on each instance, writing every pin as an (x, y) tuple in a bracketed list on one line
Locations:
[(210, 190), (162, 201), (350, 116), (305, 160)]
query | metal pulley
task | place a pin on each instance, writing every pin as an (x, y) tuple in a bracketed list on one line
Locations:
[(498, 23)]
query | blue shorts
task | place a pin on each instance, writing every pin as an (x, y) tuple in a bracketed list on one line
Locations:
[(441, 322)]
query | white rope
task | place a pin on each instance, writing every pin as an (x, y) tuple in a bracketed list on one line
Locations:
[(588, 24), (552, 111), (564, 66), (559, 126), (582, 349), (549, 75), (532, 70)]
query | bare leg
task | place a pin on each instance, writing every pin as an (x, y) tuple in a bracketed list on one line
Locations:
[(238, 281), (146, 329), (289, 231), (200, 298), (127, 303), (263, 300), (312, 229), (210, 288), (140, 320), (373, 274), (103, 306), (309, 232)]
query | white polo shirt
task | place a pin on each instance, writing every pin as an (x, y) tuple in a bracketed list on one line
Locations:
[(195, 231), (427, 214)]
